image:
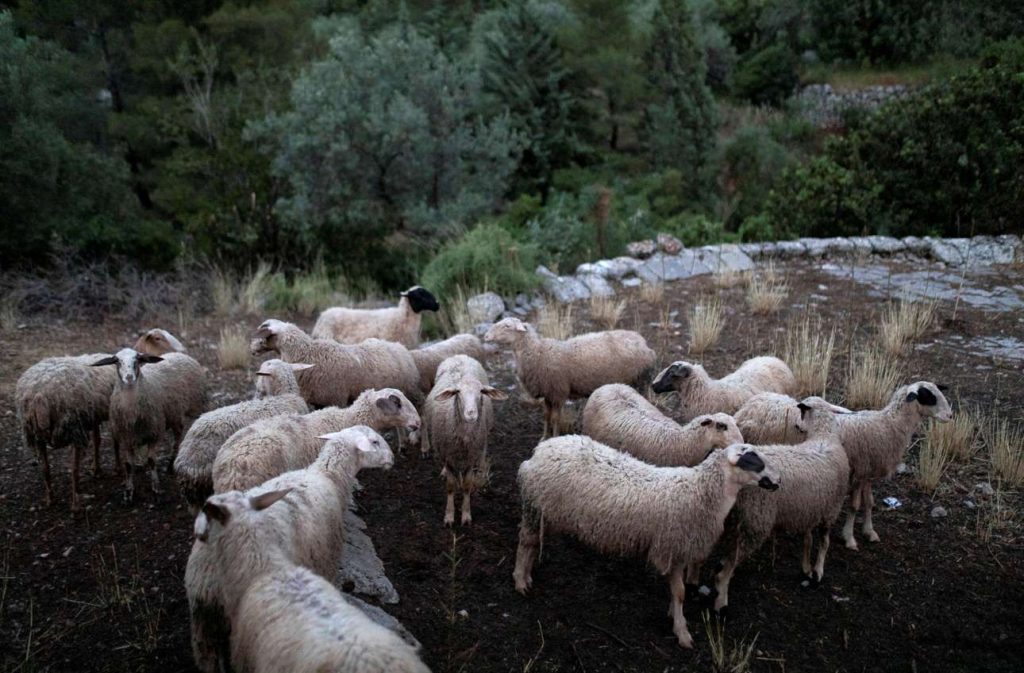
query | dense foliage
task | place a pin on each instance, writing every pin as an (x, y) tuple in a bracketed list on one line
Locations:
[(466, 141)]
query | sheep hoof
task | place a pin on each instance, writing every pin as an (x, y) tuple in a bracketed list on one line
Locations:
[(523, 585), (449, 521), (873, 536), (685, 640), (722, 612), (466, 519), (852, 545)]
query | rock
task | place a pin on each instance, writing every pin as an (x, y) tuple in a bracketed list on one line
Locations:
[(726, 257), (617, 268), (790, 249), (861, 245), (523, 300), (384, 619), (752, 250), (486, 307), (360, 565), (984, 488), (969, 504), (886, 245), (816, 247), (920, 247), (480, 329), (632, 282), (952, 251), (661, 267), (563, 288), (902, 468), (642, 249), (669, 244), (939, 512), (989, 250), (598, 286)]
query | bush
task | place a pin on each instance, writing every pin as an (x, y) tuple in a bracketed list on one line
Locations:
[(695, 230), (486, 257), (767, 76), (752, 163)]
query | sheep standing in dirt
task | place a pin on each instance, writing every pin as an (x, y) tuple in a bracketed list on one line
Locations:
[(342, 372), (309, 525), (148, 402), (773, 418), (194, 463), (558, 370), (400, 324), (701, 394), (428, 358), (618, 504), (270, 447), (620, 417), (875, 442), (813, 475), (285, 617), (457, 417)]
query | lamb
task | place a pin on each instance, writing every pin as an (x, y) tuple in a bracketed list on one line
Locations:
[(158, 341), (309, 526), (400, 324), (427, 358), (875, 442), (619, 417), (814, 476), (276, 445), (773, 418), (457, 417), (194, 463), (342, 372), (557, 370), (618, 504), (701, 394), (147, 402), (285, 617)]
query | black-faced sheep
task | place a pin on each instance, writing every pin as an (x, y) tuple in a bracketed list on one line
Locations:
[(400, 324), (701, 394)]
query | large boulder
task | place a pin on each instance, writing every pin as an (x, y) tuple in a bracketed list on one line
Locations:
[(563, 288), (669, 244), (486, 307), (725, 257), (642, 249), (662, 267)]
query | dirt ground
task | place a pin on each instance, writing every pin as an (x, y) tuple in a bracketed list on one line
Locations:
[(103, 591)]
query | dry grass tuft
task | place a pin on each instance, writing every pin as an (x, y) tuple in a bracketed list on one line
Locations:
[(723, 658), (652, 293), (554, 320), (9, 315), (454, 314), (933, 459), (958, 437), (606, 311), (766, 292), (233, 348), (730, 278), (870, 379), (252, 289), (706, 322), (904, 323), (808, 352), (1006, 450)]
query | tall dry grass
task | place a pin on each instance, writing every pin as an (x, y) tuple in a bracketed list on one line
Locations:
[(652, 293), (933, 459), (726, 659), (872, 376), (808, 351), (903, 323), (1005, 442), (958, 438), (233, 348), (707, 319), (766, 291), (454, 314), (606, 311), (554, 320)]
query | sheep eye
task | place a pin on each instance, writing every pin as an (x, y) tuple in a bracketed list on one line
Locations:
[(720, 426)]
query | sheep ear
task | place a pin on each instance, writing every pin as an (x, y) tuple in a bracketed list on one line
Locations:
[(911, 397), (263, 374), (148, 359), (112, 360), (265, 500), (447, 394), (364, 444), (264, 330), (201, 528), (493, 393), (750, 461), (942, 388), (300, 367), (706, 422), (218, 513), (681, 371), (803, 409), (389, 405)]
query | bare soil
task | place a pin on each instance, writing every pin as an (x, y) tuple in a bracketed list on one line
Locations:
[(103, 591)]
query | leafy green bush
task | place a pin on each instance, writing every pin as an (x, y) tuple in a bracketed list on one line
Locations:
[(752, 163), (696, 229), (767, 76), (486, 257)]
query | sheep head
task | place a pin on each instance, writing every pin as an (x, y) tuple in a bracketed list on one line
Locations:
[(158, 342), (129, 364), (420, 299), (676, 376), (372, 451), (393, 409), (507, 331), (720, 430), (265, 338), (930, 401), (230, 509), (468, 398), (746, 466)]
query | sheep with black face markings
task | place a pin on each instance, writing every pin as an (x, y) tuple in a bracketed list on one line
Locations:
[(559, 370), (194, 464), (308, 524), (773, 418), (400, 324), (813, 476), (620, 417), (618, 504), (342, 371), (273, 446), (457, 417), (701, 394), (876, 440)]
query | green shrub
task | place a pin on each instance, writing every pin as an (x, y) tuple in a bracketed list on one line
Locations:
[(767, 76), (752, 163), (486, 257), (696, 229)]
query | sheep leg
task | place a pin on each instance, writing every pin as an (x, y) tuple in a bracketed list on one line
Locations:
[(178, 433), (154, 476), (117, 455), (547, 420), (678, 595), (851, 517), (819, 565), (96, 469), (449, 508), (723, 578), (805, 561), (869, 501), (526, 556), (44, 460), (556, 420), (424, 442), (76, 455), (129, 478), (467, 515)]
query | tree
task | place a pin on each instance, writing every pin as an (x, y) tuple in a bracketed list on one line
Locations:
[(384, 150)]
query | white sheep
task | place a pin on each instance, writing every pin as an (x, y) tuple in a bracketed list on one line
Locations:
[(813, 476), (167, 395), (309, 526), (701, 394), (875, 442), (158, 341), (620, 417), (618, 504), (342, 372), (427, 358), (276, 445), (773, 418), (194, 463), (400, 324), (285, 617), (457, 417), (559, 370)]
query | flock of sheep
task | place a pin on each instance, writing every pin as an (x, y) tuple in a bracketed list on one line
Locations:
[(270, 479)]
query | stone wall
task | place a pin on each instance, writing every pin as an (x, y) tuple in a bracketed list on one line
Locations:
[(823, 106)]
